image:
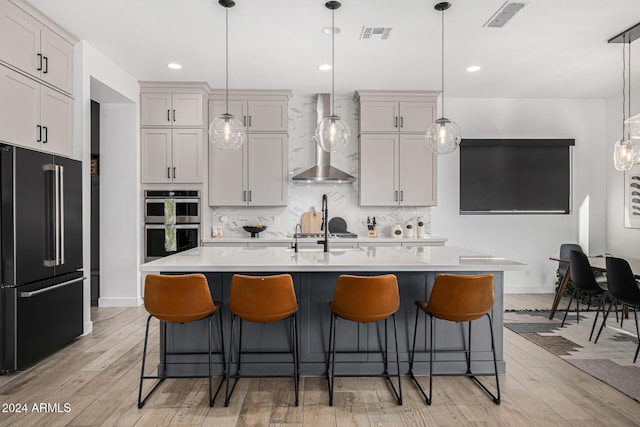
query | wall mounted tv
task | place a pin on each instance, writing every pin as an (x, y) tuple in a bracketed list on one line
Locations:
[(515, 176)]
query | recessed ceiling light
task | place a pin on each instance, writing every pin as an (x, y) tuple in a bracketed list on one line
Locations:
[(473, 68), (324, 67), (174, 66), (327, 30)]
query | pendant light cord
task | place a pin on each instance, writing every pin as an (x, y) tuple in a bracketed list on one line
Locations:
[(442, 59), (629, 88), (226, 47), (333, 62), (624, 81)]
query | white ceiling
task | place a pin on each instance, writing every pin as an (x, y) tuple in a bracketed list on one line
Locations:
[(551, 48)]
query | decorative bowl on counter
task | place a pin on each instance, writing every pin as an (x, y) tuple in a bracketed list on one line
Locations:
[(254, 229)]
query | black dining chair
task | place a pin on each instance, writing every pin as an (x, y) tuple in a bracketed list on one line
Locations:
[(585, 284), (623, 287), (563, 268)]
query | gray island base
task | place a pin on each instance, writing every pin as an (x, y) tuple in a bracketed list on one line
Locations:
[(314, 275)]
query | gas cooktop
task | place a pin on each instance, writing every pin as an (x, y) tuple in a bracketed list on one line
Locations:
[(321, 235)]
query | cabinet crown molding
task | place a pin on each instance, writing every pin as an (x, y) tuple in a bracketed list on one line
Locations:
[(395, 95), (173, 87), (254, 94), (46, 21)]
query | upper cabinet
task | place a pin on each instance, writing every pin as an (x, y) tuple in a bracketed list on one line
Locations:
[(173, 121), (32, 44), (396, 167), (172, 109), (257, 173), (259, 111), (36, 80)]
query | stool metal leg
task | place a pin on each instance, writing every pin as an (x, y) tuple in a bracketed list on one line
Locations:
[(142, 401), (294, 343), (395, 333), (334, 320), (431, 354), (228, 374)]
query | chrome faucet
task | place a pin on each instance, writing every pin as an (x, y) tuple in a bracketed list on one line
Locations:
[(325, 223)]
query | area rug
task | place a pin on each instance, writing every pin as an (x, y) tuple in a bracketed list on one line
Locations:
[(610, 360)]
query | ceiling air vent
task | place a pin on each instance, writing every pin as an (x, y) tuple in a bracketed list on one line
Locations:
[(380, 33), (504, 15)]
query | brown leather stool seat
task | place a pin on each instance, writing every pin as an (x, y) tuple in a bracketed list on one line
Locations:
[(179, 299), (364, 299), (263, 299), (457, 298)]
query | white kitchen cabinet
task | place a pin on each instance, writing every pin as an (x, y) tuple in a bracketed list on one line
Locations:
[(253, 175), (33, 115), (396, 170), (31, 46), (396, 167), (172, 156), (394, 116), (261, 115), (172, 109)]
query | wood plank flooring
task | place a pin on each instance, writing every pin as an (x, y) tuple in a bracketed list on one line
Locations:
[(97, 376)]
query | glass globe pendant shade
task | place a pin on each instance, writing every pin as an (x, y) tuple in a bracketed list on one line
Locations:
[(333, 134), (226, 132), (443, 136), (625, 155), (633, 124)]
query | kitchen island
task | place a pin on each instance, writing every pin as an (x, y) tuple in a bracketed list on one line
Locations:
[(314, 274)]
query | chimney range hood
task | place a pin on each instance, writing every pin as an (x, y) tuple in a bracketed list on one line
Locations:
[(323, 172)]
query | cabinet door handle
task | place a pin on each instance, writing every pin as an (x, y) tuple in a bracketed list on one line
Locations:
[(39, 133), (395, 199), (174, 172), (46, 134), (249, 195), (249, 121), (39, 62), (244, 195), (168, 115), (169, 173), (174, 115), (401, 122), (395, 121), (401, 195), (46, 65), (244, 120)]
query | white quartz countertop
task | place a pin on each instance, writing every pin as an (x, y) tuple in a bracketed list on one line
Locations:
[(363, 259), (428, 240)]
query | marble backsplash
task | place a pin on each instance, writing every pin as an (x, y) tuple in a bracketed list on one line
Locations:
[(343, 198)]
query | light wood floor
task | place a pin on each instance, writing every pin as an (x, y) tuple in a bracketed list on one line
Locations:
[(97, 376)]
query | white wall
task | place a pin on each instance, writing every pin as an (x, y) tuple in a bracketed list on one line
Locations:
[(100, 79), (527, 238), (621, 242)]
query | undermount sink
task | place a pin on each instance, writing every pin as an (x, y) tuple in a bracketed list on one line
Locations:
[(320, 249)]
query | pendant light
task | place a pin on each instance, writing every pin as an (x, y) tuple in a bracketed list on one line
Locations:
[(333, 133), (226, 132), (443, 136), (625, 152)]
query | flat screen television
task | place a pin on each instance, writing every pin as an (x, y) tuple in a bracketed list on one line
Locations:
[(515, 176)]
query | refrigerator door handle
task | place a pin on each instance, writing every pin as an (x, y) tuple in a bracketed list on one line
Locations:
[(51, 288), (55, 233), (61, 215)]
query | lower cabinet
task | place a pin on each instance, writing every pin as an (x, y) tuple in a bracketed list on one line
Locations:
[(33, 115), (172, 156), (253, 175)]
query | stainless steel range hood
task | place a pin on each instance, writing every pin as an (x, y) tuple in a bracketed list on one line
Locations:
[(323, 172)]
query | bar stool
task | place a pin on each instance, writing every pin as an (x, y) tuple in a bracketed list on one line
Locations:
[(179, 299), (262, 299), (457, 299), (364, 300)]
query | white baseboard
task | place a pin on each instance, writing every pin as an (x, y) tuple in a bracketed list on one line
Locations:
[(530, 289), (119, 302), (87, 328)]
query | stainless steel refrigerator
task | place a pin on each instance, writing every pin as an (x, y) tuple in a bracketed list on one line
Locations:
[(41, 275)]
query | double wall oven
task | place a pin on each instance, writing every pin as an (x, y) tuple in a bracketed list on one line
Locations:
[(188, 213)]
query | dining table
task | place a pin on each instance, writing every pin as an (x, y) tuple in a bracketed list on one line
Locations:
[(597, 264)]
